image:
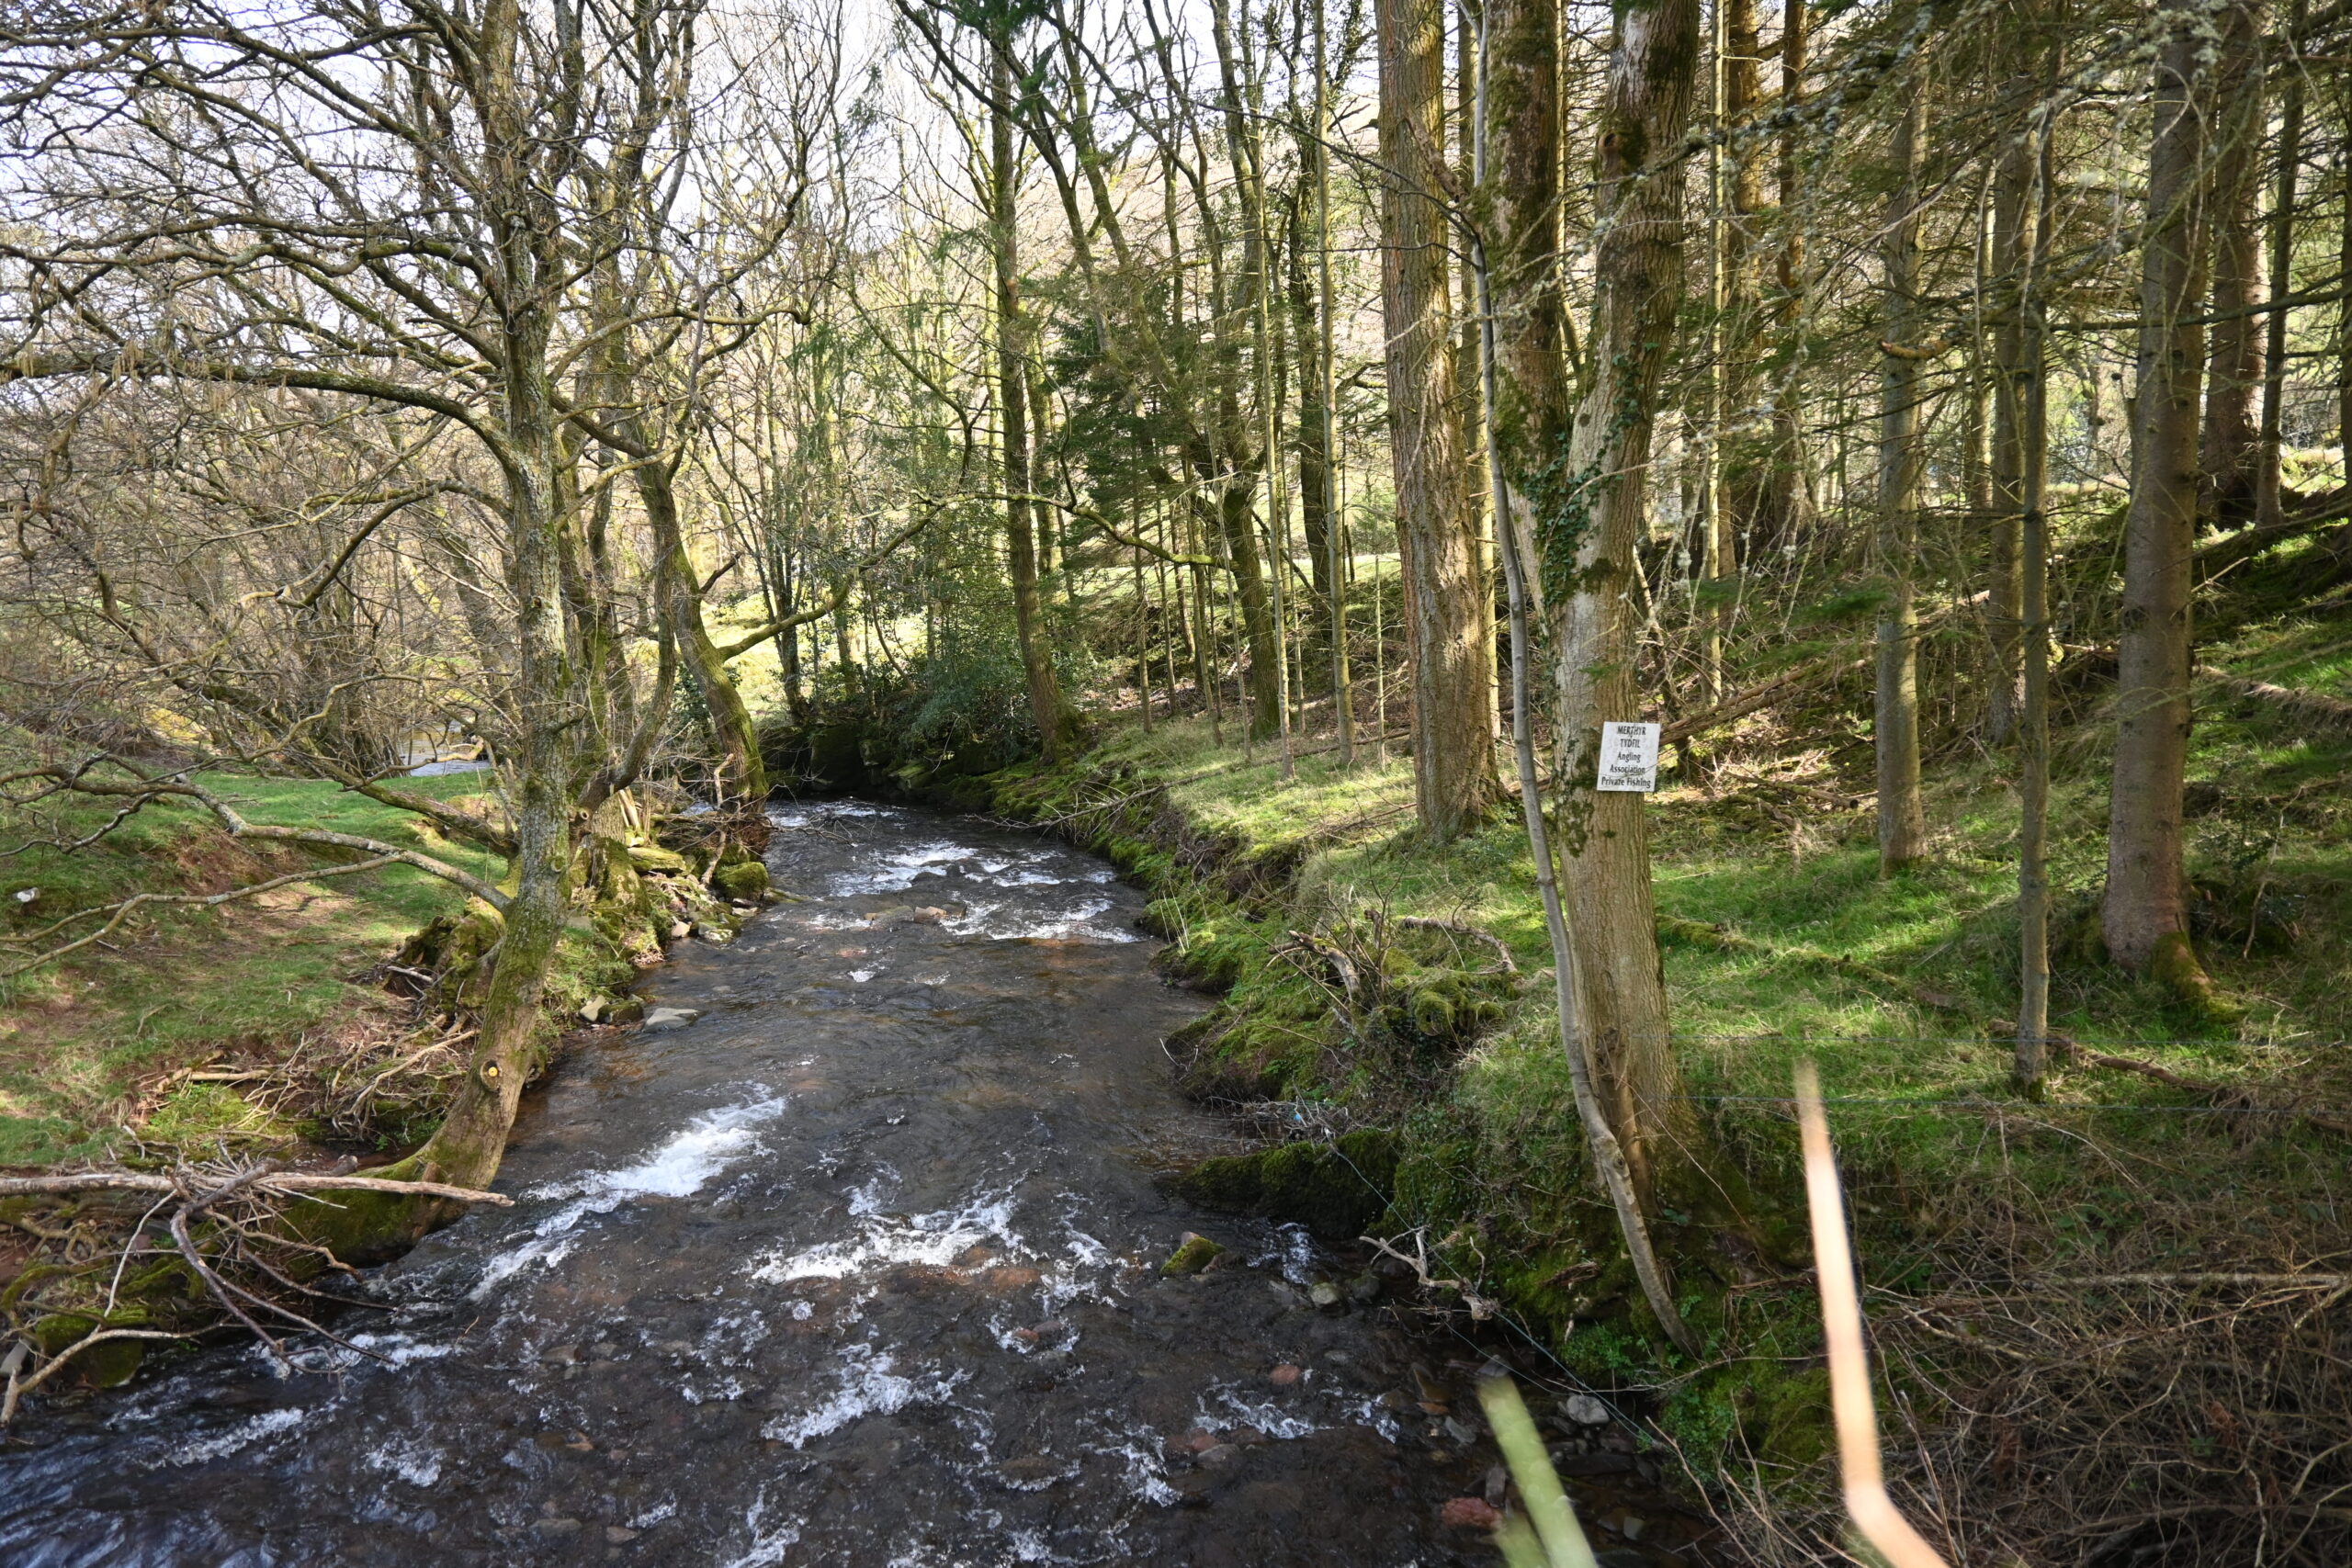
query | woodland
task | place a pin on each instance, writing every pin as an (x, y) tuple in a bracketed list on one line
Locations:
[(1265, 444)]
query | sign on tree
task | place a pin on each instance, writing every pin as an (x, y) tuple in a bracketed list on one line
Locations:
[(1628, 757)]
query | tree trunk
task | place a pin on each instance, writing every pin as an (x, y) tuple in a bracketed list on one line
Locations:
[(2144, 913), (1781, 500), (1317, 165), (1533, 400), (1449, 605), (743, 775), (1055, 719), (2229, 445), (1590, 522), (2011, 185), (1529, 430), (1745, 496), (2270, 506), (2343, 269), (1902, 813), (2029, 384), (1313, 437)]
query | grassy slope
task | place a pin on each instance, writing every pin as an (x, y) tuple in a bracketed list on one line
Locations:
[(78, 1038), (2114, 1172)]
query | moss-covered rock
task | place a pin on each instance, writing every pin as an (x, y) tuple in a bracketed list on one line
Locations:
[(1193, 1253), (1338, 1190), (745, 879)]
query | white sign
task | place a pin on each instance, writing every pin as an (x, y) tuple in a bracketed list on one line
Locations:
[(1628, 757)]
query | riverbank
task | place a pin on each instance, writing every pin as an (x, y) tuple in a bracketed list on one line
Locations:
[(265, 1009), (2060, 1259)]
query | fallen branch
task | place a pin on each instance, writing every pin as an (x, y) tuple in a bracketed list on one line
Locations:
[(1428, 923), (286, 1182), (117, 913), (1739, 704), (2211, 559)]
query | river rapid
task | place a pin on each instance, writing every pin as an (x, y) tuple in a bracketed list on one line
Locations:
[(860, 1267)]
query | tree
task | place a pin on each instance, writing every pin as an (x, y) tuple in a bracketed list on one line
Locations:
[(2144, 913), (1449, 605), (1055, 719), (1590, 512), (1902, 816)]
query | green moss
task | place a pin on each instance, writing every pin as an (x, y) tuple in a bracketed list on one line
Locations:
[(746, 880), (1193, 1254), (208, 1116)]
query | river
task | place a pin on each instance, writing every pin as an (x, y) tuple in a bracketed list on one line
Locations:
[(860, 1267)]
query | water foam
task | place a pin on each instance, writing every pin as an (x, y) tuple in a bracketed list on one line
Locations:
[(236, 1439), (934, 1239), (678, 1169), (870, 1385)]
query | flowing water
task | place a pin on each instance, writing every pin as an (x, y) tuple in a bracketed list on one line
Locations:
[(861, 1267)]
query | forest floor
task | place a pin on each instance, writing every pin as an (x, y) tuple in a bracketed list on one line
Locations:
[(101, 1051), (2106, 1316)]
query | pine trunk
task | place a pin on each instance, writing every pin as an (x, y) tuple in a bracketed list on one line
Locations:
[(2230, 449)]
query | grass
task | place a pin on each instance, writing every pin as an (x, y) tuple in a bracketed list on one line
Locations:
[(79, 1040)]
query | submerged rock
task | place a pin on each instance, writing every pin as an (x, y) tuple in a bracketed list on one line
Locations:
[(1470, 1513), (1193, 1253), (1584, 1410)]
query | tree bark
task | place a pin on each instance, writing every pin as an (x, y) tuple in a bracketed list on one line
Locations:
[(2144, 912), (1530, 427), (2029, 384), (1902, 813), (1747, 501), (1449, 607), (1781, 499), (1590, 518)]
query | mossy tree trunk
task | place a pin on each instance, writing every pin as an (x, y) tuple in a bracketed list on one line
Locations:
[(530, 257), (1591, 518)]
